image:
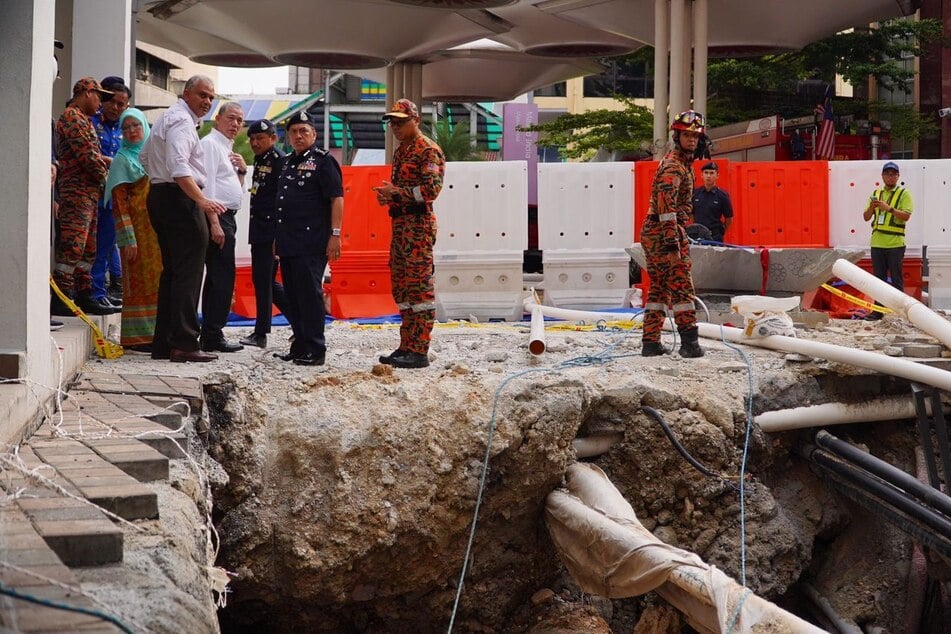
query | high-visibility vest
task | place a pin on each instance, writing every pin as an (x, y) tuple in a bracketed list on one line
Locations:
[(885, 221)]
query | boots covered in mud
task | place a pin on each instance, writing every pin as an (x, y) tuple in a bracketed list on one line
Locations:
[(689, 346)]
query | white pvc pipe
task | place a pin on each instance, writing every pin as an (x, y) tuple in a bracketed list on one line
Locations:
[(610, 553), (536, 340), (905, 305), (592, 446), (882, 409), (586, 316), (871, 360)]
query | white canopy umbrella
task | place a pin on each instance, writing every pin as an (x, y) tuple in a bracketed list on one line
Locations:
[(735, 26)]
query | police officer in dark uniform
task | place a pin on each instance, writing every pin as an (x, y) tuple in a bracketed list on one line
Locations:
[(309, 216), (268, 161), (711, 205)]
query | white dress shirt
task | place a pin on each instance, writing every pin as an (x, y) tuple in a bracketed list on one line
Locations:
[(173, 150), (223, 184)]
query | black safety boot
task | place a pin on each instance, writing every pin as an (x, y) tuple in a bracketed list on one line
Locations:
[(689, 347), (410, 360), (388, 358), (58, 307), (652, 349)]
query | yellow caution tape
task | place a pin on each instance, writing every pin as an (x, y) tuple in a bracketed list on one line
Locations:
[(855, 300), (104, 348)]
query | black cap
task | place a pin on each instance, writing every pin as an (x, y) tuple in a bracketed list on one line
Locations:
[(263, 125), (301, 117), (111, 80), (710, 166)]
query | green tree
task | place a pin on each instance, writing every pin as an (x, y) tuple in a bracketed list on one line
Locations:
[(241, 144), (737, 85), (454, 140), (629, 130)]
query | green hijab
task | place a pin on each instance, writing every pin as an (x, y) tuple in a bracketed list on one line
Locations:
[(126, 167)]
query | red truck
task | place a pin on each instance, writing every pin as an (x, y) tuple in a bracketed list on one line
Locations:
[(776, 139)]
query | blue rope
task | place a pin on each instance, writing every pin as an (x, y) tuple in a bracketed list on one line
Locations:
[(736, 611), (62, 606), (601, 358), (746, 449)]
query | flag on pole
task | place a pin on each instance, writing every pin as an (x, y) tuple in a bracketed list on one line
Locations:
[(825, 141)]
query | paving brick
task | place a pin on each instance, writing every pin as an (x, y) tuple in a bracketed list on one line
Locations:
[(119, 493), (17, 579), (84, 512), (142, 462), (27, 617), (84, 542), (131, 502), (922, 350), (19, 541), (31, 557)]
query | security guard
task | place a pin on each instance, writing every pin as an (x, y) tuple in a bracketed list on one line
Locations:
[(268, 160), (309, 216)]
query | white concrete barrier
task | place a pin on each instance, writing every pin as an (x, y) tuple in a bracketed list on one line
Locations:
[(482, 215), (585, 205)]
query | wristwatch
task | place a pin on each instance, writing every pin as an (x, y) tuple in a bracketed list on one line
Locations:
[(335, 232)]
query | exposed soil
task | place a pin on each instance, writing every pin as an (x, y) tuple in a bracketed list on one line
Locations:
[(352, 486)]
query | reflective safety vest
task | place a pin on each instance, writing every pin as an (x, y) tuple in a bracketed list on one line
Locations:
[(885, 221)]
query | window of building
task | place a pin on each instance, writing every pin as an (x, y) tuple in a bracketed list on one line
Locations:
[(555, 90), (626, 78), (151, 69)]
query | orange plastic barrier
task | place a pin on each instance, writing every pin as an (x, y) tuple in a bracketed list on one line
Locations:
[(360, 279), (360, 286), (644, 172), (775, 204), (910, 273), (780, 204), (243, 302), (366, 225)]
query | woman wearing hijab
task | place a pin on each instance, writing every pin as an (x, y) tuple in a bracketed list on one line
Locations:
[(128, 187)]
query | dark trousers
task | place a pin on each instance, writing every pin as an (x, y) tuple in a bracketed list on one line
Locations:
[(303, 286), (218, 292), (182, 232), (267, 290), (887, 263)]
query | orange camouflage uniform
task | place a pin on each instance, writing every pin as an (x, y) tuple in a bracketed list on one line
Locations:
[(418, 169), (82, 174), (663, 233)]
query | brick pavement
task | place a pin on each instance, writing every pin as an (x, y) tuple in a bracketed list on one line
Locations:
[(43, 531)]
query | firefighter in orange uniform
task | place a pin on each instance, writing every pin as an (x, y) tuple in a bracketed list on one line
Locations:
[(418, 168), (664, 239)]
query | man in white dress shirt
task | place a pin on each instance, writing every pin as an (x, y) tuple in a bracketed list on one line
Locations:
[(179, 212), (226, 170)]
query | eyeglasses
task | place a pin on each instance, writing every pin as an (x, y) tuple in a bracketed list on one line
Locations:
[(397, 123), (131, 126)]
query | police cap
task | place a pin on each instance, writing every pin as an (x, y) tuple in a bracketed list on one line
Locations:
[(263, 126), (301, 117)]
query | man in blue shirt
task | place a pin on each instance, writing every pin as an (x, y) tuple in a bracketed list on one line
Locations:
[(711, 205), (106, 123)]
